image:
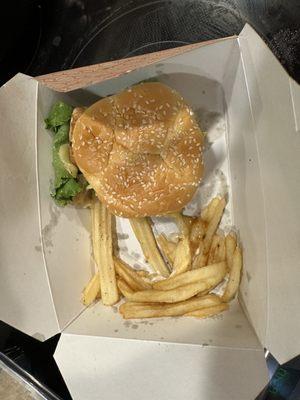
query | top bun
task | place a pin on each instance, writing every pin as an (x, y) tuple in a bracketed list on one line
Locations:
[(141, 150)]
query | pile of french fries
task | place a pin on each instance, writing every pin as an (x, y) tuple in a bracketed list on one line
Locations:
[(185, 271)]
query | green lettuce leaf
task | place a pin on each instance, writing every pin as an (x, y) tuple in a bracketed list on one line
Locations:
[(67, 191), (60, 114), (65, 187), (60, 173), (62, 135)]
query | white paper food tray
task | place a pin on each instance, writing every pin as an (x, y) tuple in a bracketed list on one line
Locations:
[(250, 108)]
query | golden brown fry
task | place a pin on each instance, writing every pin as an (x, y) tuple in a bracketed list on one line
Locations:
[(114, 234), (127, 278), (188, 221), (213, 225), (197, 231), (182, 226), (174, 295), (217, 271), (200, 259), (154, 276), (230, 245), (208, 312), (143, 310), (92, 290), (103, 254), (183, 256), (96, 258), (142, 273), (234, 275), (208, 212), (124, 288), (143, 232), (213, 249), (204, 293), (130, 276), (220, 254), (167, 247)]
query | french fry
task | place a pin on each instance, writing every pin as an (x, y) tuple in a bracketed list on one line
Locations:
[(213, 249), (96, 258), (127, 278), (143, 310), (182, 226), (124, 288), (142, 273), (174, 295), (168, 296), (183, 256), (220, 254), (188, 221), (154, 276), (167, 247), (200, 259), (114, 234), (143, 232), (195, 275), (234, 276), (208, 212), (92, 290), (230, 245), (197, 231), (208, 312), (130, 276), (213, 225), (103, 254)]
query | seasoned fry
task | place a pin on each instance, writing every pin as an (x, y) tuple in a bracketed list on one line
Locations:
[(213, 249), (143, 310), (114, 234), (208, 212), (95, 254), (188, 221), (92, 290), (213, 225), (124, 288), (103, 254), (220, 254), (208, 312), (183, 256), (167, 247), (130, 276), (230, 245), (143, 232), (174, 295), (234, 275), (196, 275), (197, 231)]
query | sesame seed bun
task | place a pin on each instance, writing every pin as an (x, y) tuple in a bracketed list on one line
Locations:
[(141, 150)]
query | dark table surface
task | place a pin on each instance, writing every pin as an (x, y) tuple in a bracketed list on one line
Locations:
[(38, 37)]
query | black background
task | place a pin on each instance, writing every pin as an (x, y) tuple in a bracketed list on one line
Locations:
[(39, 36)]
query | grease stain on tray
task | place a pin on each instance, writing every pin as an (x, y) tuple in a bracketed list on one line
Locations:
[(48, 228)]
